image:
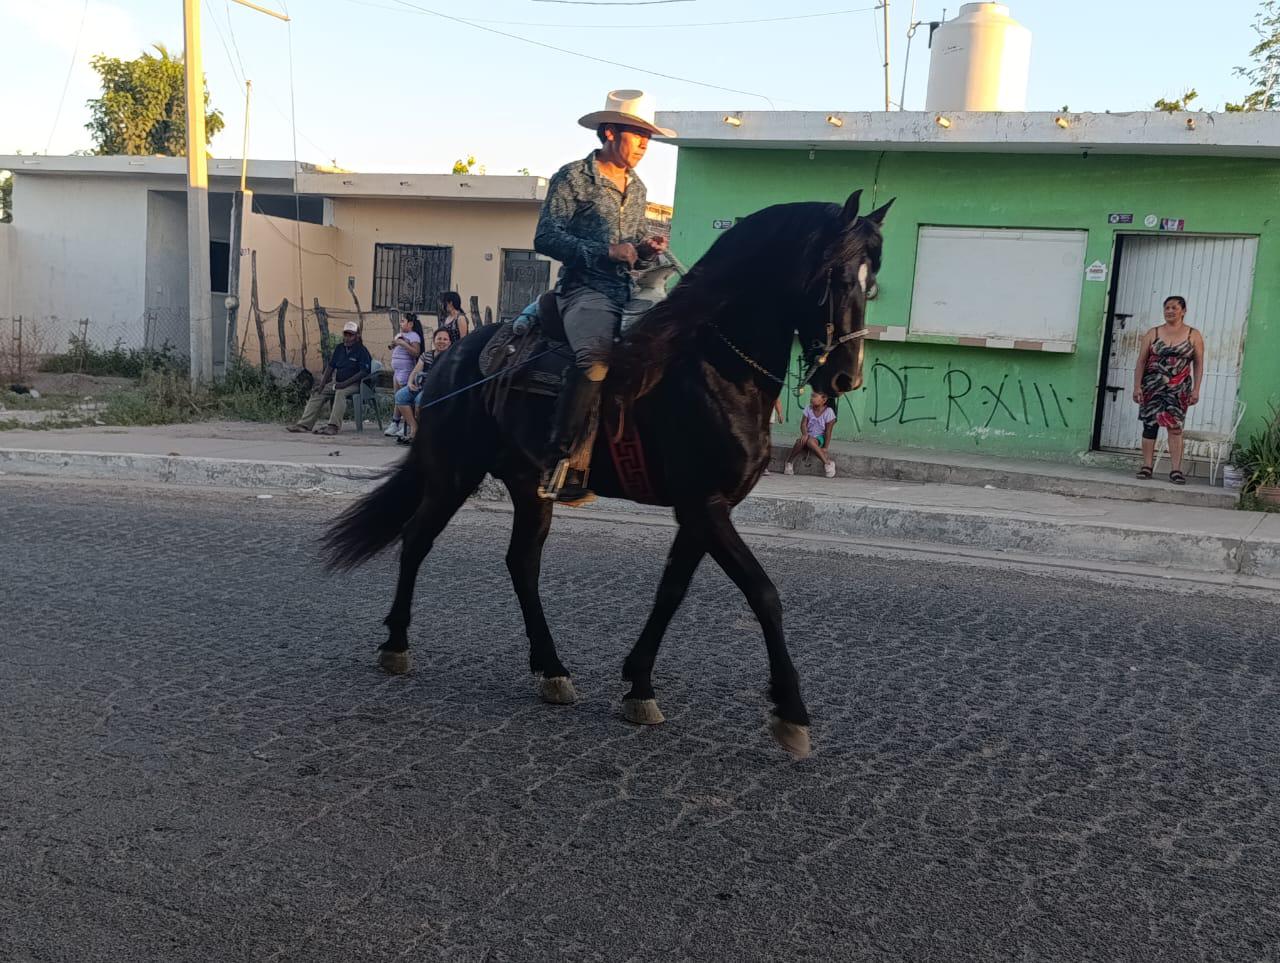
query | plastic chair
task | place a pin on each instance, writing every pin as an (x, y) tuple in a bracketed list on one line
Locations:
[(368, 394), (1218, 443)]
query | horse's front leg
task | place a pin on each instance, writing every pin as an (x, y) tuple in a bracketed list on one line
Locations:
[(529, 532), (790, 724), (640, 705)]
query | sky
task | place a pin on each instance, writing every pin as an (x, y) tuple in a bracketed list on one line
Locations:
[(381, 85)]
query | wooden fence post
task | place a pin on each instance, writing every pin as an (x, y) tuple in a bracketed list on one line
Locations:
[(322, 322), (257, 311), (280, 315)]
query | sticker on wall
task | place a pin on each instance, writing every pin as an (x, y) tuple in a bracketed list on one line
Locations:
[(721, 224), (1172, 224), (1151, 220), (1120, 218), (1097, 271)]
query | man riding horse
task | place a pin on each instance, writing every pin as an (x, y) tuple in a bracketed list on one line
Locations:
[(592, 222)]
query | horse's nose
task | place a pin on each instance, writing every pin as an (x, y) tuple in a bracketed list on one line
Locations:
[(843, 383)]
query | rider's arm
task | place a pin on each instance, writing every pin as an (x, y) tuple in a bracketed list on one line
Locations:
[(552, 237)]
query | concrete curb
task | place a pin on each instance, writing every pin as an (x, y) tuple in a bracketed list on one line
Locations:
[(897, 468), (1257, 556)]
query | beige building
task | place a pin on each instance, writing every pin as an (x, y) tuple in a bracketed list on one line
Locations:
[(104, 238)]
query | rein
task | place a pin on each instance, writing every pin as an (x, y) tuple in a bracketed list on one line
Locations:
[(823, 350)]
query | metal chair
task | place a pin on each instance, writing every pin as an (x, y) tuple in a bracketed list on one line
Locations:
[(1217, 443)]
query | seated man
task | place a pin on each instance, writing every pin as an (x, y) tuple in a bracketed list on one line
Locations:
[(592, 222), (349, 365)]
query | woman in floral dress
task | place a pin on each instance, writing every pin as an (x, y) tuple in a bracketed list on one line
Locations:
[(1166, 382)]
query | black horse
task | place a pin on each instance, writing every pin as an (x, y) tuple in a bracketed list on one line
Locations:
[(692, 385)]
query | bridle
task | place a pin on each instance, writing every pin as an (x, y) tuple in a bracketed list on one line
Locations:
[(822, 351)]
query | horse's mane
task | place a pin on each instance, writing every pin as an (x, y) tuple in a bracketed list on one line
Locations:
[(741, 267)]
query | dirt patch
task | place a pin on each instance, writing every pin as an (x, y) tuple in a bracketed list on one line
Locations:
[(79, 385)]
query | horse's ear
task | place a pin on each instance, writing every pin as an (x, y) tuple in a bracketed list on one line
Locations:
[(877, 216), (850, 212)]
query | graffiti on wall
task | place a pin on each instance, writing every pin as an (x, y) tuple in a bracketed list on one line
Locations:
[(957, 400)]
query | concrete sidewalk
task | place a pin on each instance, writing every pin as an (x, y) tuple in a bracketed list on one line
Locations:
[(1174, 538)]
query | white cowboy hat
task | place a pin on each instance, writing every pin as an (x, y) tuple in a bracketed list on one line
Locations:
[(631, 108)]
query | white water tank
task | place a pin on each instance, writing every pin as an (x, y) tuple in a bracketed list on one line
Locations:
[(980, 61)]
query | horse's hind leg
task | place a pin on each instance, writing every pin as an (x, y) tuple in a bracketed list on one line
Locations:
[(524, 561), (640, 705), (419, 535)]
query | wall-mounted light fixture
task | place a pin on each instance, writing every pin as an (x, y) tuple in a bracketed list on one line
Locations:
[(1062, 122), (1191, 123), (733, 120), (943, 122), (835, 120)]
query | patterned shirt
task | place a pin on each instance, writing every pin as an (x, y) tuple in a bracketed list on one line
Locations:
[(583, 214)]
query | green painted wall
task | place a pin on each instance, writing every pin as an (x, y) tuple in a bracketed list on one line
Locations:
[(1024, 403)]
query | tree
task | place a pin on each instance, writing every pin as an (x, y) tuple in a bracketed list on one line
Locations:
[(1176, 106), (142, 109), (6, 197), (1264, 74)]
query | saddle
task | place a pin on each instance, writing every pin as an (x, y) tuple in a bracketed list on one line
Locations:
[(533, 358), (535, 349)]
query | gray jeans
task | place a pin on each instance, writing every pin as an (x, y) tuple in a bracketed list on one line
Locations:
[(590, 321)]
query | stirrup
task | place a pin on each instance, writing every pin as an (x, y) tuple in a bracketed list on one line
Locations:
[(565, 488)]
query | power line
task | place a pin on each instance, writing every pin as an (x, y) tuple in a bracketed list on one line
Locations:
[(239, 78), (613, 3), (237, 74), (75, 52), (232, 31), (582, 56), (640, 26)]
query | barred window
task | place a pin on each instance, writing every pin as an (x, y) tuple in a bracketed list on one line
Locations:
[(411, 277)]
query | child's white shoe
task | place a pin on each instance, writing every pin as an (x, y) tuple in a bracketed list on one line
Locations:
[(788, 469), (829, 469)]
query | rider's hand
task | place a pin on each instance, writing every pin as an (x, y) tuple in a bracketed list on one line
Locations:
[(1137, 395), (1195, 397), (653, 246), (624, 253)]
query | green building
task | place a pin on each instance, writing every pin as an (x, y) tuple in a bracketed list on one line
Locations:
[(1025, 256)]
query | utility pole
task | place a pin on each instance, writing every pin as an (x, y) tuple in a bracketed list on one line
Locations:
[(199, 307), (887, 103)]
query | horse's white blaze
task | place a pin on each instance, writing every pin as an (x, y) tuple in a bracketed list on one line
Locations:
[(864, 271)]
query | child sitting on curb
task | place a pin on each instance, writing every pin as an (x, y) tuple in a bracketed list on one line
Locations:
[(815, 433)]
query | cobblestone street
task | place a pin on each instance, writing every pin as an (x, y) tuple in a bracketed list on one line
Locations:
[(201, 763)]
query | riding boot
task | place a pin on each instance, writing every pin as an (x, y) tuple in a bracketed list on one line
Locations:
[(572, 430)]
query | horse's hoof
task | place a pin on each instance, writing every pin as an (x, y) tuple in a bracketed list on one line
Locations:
[(558, 691), (643, 712), (791, 737), (397, 663)]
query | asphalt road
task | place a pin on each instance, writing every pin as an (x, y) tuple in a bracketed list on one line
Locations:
[(198, 760)]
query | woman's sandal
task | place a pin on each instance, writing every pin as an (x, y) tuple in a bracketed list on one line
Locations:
[(1177, 478), (1144, 472)]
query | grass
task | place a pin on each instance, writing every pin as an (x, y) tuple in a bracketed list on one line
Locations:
[(166, 397), (84, 357), (1250, 502)]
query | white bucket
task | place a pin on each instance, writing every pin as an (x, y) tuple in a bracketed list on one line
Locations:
[(1232, 478)]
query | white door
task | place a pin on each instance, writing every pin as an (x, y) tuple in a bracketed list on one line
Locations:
[(1215, 275)]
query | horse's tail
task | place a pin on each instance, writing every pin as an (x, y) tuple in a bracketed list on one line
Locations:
[(377, 519)]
